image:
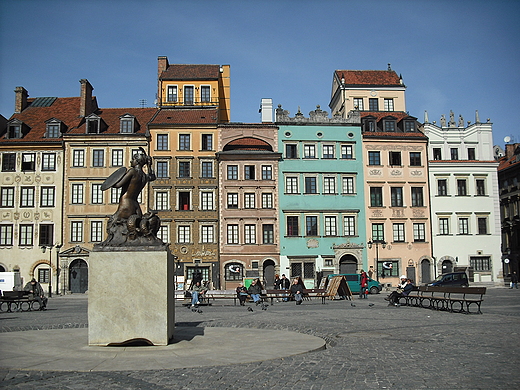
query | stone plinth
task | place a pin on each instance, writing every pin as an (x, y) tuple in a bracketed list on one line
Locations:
[(130, 296)]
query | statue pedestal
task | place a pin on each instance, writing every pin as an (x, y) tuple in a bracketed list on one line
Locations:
[(130, 296)]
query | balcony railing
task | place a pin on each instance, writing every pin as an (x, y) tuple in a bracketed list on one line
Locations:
[(191, 103)]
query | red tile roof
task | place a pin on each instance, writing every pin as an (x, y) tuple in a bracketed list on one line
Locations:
[(191, 72), (248, 143), (181, 116), (369, 78), (399, 115)]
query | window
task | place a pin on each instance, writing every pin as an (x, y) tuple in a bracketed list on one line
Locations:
[(115, 194), (249, 200), (207, 234), (205, 96), (329, 185), (378, 231), (14, 131), (98, 158), (376, 196), (389, 125), (291, 185), (437, 155), (162, 141), (348, 185), (97, 194), (183, 234), (207, 141), (47, 197), (232, 201), (26, 235), (395, 158), (373, 104), (311, 225), (27, 197), (6, 235), (234, 271), (268, 234), (163, 234), (161, 200), (7, 197), (184, 201), (309, 151), (396, 196), (464, 226), (126, 125), (417, 197), (389, 104), (162, 169), (76, 231), (409, 126), (454, 153), (207, 169), (347, 152), (250, 234), (461, 187), (358, 104), (310, 185), (267, 200), (8, 162), (184, 142), (267, 172), (232, 234), (331, 228), (290, 151), (117, 157), (96, 231), (349, 225), (48, 161), (172, 94), (328, 151), (481, 188), (77, 194), (442, 187), (46, 234), (184, 169), (415, 159), (249, 172), (482, 225), (307, 272), (374, 158), (471, 154), (28, 162), (188, 95), (480, 263), (444, 226), (369, 125), (419, 232), (398, 230), (44, 275), (292, 226), (93, 125), (232, 172), (78, 158)]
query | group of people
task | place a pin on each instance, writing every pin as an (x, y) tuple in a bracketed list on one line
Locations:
[(255, 290), (403, 289)]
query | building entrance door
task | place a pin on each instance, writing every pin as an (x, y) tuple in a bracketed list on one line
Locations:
[(447, 266), (269, 274), (348, 265), (426, 275), (78, 276)]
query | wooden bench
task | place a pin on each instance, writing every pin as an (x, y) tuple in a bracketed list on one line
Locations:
[(12, 301), (214, 295), (308, 293), (452, 299)]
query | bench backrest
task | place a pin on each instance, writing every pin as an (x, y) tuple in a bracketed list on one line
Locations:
[(454, 290), (15, 294)]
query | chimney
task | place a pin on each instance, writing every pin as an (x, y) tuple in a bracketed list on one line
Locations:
[(20, 101), (162, 65), (266, 109), (85, 107)]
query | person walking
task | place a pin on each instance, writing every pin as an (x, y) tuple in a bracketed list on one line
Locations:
[(363, 283), (514, 280), (284, 285)]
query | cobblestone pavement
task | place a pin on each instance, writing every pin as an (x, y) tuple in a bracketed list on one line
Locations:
[(376, 347)]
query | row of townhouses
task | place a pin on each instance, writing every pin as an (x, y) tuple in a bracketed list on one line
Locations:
[(367, 187)]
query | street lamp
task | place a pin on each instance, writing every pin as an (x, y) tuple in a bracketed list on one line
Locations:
[(44, 248), (58, 270), (377, 243)]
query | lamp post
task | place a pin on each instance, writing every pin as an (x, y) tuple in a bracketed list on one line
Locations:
[(58, 270), (377, 243), (44, 248)]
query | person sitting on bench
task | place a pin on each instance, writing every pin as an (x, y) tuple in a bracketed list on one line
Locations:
[(255, 290), (297, 291), (36, 292), (400, 292), (196, 293)]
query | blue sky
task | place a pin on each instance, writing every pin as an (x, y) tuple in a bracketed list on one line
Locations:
[(453, 55)]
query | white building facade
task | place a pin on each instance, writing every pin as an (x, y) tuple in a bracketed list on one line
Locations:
[(464, 199)]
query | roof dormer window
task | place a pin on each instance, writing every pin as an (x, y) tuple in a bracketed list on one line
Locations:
[(94, 124), (389, 125), (369, 124), (127, 124), (53, 128), (409, 126), (14, 129)]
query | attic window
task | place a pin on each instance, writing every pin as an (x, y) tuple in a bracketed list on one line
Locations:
[(93, 125), (390, 126), (127, 123), (53, 129), (370, 125), (409, 126), (14, 131)]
